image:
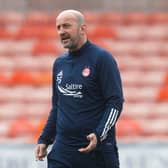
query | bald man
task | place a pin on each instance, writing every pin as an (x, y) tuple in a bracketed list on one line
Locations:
[(87, 100)]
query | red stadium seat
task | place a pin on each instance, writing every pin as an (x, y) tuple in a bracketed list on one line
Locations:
[(137, 18), (45, 47), (163, 94), (49, 32), (102, 31), (5, 34), (37, 17), (159, 18), (166, 79), (92, 17), (31, 78), (38, 129), (128, 127), (111, 18), (37, 32), (21, 127), (5, 79), (11, 18), (44, 78), (28, 32), (22, 78)]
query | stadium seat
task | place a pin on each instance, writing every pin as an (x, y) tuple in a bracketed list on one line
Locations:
[(158, 18), (50, 33), (5, 78), (39, 127), (4, 127), (111, 18), (21, 47), (44, 78), (163, 94), (11, 18), (158, 32), (166, 79), (31, 78), (102, 31), (141, 94), (45, 47), (37, 18), (29, 32), (128, 127), (135, 18), (5, 34), (21, 127), (130, 33), (22, 78), (131, 78), (92, 17)]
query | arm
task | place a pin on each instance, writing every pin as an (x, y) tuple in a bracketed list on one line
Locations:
[(111, 88), (49, 132)]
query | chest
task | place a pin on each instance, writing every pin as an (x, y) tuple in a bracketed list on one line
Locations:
[(76, 78)]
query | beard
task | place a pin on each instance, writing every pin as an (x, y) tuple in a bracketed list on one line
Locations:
[(70, 42)]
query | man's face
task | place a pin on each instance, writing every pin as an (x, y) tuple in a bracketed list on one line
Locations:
[(69, 31)]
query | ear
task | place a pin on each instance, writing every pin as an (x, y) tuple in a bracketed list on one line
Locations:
[(83, 29)]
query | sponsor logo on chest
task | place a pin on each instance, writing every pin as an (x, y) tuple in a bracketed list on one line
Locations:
[(73, 90)]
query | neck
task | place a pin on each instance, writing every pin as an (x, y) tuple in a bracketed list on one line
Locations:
[(81, 43)]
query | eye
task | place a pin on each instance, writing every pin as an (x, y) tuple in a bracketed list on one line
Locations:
[(66, 26), (58, 27)]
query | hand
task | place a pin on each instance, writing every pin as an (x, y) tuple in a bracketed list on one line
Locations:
[(40, 151), (93, 142)]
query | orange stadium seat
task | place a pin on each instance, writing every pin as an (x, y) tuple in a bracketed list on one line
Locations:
[(2, 20), (11, 18), (44, 47), (128, 127), (37, 32), (50, 32), (92, 17), (166, 79), (39, 128), (22, 77), (5, 34), (37, 17), (102, 31), (111, 18), (163, 94), (158, 18), (44, 78), (29, 32), (21, 127), (5, 79), (136, 18), (31, 78)]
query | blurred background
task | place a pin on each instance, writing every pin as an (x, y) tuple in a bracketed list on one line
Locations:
[(134, 32)]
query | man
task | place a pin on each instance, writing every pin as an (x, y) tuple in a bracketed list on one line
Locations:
[(86, 103)]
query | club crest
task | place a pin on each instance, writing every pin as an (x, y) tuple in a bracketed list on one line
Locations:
[(86, 72)]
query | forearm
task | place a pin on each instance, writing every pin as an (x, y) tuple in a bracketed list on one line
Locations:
[(49, 132), (108, 120)]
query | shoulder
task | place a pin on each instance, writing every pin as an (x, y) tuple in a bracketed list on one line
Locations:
[(60, 59), (102, 54)]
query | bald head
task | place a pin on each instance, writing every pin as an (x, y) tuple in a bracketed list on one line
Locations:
[(72, 29), (73, 14)]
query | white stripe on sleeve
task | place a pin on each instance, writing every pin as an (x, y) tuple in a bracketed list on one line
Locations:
[(110, 122)]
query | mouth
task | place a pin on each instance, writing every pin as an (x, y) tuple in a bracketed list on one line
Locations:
[(65, 39)]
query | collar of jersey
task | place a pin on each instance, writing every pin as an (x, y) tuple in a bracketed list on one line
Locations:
[(80, 51)]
